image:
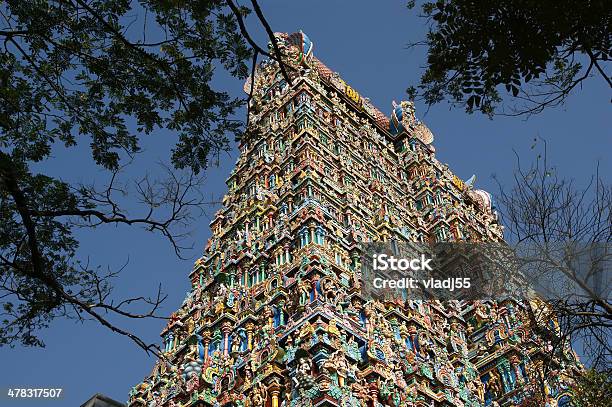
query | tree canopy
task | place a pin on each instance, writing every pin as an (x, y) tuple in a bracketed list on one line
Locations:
[(530, 53), (105, 74), (592, 389)]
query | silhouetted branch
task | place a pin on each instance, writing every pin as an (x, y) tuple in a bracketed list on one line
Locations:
[(278, 57), (565, 234)]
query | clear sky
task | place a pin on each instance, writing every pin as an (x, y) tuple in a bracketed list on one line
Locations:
[(365, 42)]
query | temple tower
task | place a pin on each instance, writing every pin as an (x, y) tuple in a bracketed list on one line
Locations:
[(276, 316)]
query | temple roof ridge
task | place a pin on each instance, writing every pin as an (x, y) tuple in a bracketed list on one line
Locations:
[(298, 49)]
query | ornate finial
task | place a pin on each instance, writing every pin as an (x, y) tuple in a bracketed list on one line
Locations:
[(403, 119)]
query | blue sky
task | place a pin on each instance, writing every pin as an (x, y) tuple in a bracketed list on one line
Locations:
[(366, 44)]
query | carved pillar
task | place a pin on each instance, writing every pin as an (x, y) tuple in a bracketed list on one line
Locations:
[(206, 341), (249, 328), (311, 233), (225, 328), (274, 390), (169, 342)]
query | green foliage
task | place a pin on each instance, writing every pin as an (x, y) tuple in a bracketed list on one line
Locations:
[(104, 73), (70, 68), (593, 388), (534, 51)]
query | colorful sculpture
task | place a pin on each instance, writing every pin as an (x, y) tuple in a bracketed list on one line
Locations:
[(276, 316)]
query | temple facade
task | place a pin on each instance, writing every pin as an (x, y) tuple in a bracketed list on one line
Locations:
[(276, 316)]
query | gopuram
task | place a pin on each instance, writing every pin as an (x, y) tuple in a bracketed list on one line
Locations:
[(276, 316)]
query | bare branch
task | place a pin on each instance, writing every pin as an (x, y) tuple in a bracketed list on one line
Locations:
[(277, 52), (567, 232)]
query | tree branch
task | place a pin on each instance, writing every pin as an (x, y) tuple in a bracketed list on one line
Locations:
[(277, 51)]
